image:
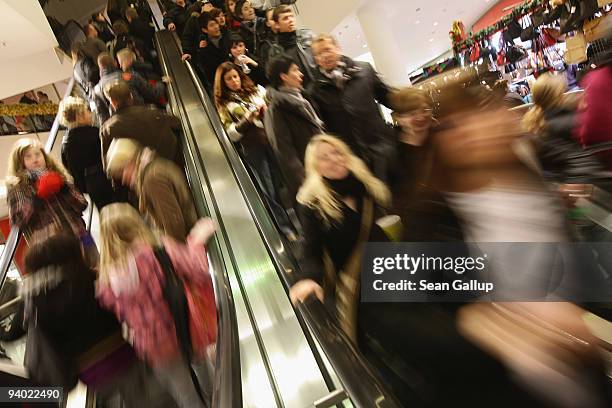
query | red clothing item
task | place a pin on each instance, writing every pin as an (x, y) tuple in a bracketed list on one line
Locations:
[(596, 119), (135, 295)]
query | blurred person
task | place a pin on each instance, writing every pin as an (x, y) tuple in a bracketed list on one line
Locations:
[(129, 62), (252, 27), (213, 47), (139, 28), (42, 97), (219, 15), (425, 214), (150, 93), (105, 32), (248, 63), (150, 127), (191, 33), (230, 15), (595, 122), (61, 311), (511, 98), (291, 41), (116, 9), (345, 93), (553, 120), (123, 39), (290, 120), (135, 282), (41, 195), (109, 73), (93, 45), (81, 152), (85, 70), (164, 197), (176, 17), (241, 106), (28, 98)]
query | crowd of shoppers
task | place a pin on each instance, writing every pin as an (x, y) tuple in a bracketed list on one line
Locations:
[(461, 169)]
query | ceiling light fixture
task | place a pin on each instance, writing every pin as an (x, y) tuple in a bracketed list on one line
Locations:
[(435, 23)]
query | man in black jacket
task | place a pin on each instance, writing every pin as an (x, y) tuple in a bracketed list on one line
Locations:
[(177, 16), (213, 47), (252, 28), (346, 93), (290, 41), (140, 28)]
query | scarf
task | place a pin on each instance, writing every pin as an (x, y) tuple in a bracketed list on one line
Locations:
[(339, 75), (349, 186), (296, 94)]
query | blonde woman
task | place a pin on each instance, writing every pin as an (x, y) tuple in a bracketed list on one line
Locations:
[(40, 193), (338, 201), (553, 122), (135, 267), (81, 152)]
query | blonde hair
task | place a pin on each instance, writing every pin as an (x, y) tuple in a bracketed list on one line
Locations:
[(125, 53), (17, 173), (70, 107), (120, 227), (324, 37), (121, 153), (315, 193), (547, 93), (409, 99)]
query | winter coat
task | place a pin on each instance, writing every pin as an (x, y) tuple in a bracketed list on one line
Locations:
[(177, 16), (143, 31), (211, 56), (290, 126), (237, 127), (60, 300), (596, 120), (191, 35), (352, 112), (81, 156), (134, 293), (33, 214), (87, 74), (107, 77), (297, 45), (145, 91), (253, 32), (150, 127), (92, 47), (165, 199)]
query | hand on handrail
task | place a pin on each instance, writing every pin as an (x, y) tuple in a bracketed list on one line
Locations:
[(303, 289)]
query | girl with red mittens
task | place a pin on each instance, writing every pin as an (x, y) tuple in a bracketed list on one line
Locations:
[(41, 196)]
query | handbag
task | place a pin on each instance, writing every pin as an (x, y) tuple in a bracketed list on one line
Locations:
[(515, 53), (576, 49), (588, 8), (475, 54), (552, 15), (176, 299), (570, 16), (597, 28), (44, 364), (530, 32), (550, 36), (514, 29)]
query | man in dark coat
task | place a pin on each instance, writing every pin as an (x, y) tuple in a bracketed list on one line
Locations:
[(290, 121), (140, 28), (177, 16), (346, 93), (213, 48), (150, 127), (252, 28), (289, 41)]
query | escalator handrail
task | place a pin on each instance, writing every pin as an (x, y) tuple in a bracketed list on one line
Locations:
[(227, 391), (360, 382), (14, 236)]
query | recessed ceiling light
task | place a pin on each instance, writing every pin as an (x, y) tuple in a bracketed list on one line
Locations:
[(435, 23), (417, 22), (431, 40)]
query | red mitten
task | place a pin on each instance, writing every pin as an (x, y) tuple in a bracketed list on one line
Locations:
[(49, 184)]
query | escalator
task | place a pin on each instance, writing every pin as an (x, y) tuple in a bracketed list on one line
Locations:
[(268, 354)]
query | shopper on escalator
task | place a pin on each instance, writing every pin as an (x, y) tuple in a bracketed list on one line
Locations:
[(140, 28), (241, 106), (247, 62), (164, 197), (252, 27), (70, 337), (290, 120), (162, 290), (104, 29), (177, 16), (81, 152), (292, 42), (213, 47), (346, 94), (150, 127)]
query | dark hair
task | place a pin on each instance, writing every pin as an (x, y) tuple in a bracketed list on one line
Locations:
[(216, 12), (204, 19), (282, 9), (238, 9), (222, 93), (120, 27), (236, 39), (62, 248), (279, 65)]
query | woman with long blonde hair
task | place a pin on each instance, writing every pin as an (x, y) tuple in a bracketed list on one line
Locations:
[(136, 269), (337, 204), (40, 193)]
